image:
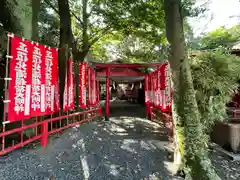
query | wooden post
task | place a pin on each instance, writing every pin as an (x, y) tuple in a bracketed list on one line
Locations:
[(107, 101)]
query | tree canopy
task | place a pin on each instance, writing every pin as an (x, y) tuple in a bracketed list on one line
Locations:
[(140, 31)]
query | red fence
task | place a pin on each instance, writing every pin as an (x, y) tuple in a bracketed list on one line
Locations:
[(32, 104), (13, 138)]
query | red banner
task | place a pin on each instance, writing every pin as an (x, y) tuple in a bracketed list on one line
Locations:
[(146, 86), (97, 92), (33, 90), (163, 76), (168, 94), (151, 90), (55, 79), (155, 88), (68, 99), (65, 94), (158, 88), (89, 86), (38, 80), (94, 100), (83, 82), (165, 88), (51, 64), (70, 86), (20, 85)]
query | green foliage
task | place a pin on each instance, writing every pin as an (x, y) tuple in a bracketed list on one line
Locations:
[(215, 76), (48, 25), (138, 49), (104, 49), (190, 10), (221, 37)]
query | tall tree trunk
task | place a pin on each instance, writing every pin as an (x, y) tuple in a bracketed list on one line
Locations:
[(85, 26), (185, 110), (79, 56), (35, 16), (66, 38), (24, 12)]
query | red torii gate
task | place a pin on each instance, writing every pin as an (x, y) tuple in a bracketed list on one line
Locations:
[(120, 70)]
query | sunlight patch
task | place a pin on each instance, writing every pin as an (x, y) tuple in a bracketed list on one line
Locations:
[(74, 136), (85, 167), (122, 134), (113, 170), (81, 144), (151, 144), (171, 167), (140, 119), (128, 145), (116, 128), (145, 145)]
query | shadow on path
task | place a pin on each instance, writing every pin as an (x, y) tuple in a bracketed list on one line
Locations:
[(125, 148)]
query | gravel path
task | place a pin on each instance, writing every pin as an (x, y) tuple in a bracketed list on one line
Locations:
[(128, 147), (125, 148), (225, 167)]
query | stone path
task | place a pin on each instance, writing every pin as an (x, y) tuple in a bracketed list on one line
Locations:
[(125, 148), (225, 167), (128, 147)]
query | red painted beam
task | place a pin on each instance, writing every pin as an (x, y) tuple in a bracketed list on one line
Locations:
[(103, 65), (131, 73)]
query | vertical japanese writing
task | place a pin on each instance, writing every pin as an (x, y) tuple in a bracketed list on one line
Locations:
[(36, 79), (83, 95), (168, 86), (146, 89), (49, 86), (84, 92), (70, 86), (158, 88), (65, 97), (152, 89), (55, 104), (89, 87), (94, 87), (20, 81)]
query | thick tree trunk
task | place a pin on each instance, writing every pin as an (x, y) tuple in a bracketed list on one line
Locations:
[(66, 38), (35, 16), (185, 111), (85, 26)]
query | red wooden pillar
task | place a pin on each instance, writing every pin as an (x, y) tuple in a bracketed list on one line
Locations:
[(147, 105), (107, 101), (44, 139)]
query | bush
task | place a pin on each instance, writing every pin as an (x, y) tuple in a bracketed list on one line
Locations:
[(215, 78)]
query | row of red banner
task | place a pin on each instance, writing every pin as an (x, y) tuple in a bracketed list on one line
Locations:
[(158, 88), (33, 90), (34, 86)]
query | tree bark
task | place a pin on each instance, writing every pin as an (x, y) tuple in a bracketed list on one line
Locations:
[(79, 56), (85, 26), (35, 17), (66, 39), (185, 110)]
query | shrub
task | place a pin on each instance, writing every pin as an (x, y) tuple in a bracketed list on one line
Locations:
[(215, 78)]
